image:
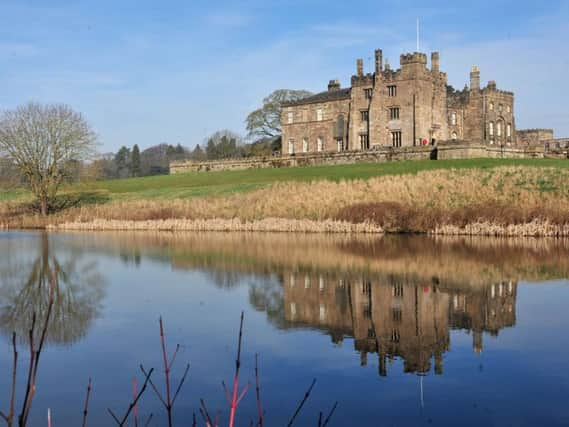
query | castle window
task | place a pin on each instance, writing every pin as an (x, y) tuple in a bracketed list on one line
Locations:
[(319, 115), (491, 106), (319, 144), (499, 129), (367, 93), (340, 143), (508, 109), (365, 115), (396, 138), (291, 146), (491, 128), (321, 283), (453, 118), (371, 333), (509, 130), (395, 337), (290, 117), (454, 136), (392, 90), (397, 290), (293, 310), (394, 113), (366, 288), (396, 314), (304, 146), (367, 311), (322, 312), (292, 280), (364, 141), (306, 282), (500, 108)]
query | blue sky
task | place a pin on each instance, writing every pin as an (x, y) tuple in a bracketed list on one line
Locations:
[(175, 71)]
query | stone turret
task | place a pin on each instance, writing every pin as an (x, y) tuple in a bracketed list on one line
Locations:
[(378, 61), (475, 78), (435, 62), (360, 67)]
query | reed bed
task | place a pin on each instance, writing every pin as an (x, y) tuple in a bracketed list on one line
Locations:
[(513, 201)]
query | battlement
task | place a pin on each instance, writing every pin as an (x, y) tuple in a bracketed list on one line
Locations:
[(413, 58), (491, 87), (363, 80)]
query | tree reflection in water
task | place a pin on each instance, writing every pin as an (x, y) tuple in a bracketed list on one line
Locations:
[(25, 290)]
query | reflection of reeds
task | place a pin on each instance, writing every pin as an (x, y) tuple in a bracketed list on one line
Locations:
[(462, 261)]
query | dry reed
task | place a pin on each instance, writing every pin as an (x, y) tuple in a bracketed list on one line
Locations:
[(469, 201)]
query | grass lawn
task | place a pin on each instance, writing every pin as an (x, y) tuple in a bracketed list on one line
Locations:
[(190, 185), (210, 183)]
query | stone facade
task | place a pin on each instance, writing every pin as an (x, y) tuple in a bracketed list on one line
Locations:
[(410, 106), (534, 137)]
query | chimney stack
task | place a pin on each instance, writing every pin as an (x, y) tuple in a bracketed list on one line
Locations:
[(475, 78), (360, 67), (333, 85), (435, 62), (378, 61)]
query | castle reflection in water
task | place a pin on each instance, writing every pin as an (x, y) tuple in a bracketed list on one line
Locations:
[(395, 317)]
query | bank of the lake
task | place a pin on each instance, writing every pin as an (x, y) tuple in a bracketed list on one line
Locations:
[(474, 197)]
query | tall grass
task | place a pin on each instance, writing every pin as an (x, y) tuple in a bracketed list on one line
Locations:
[(535, 200)]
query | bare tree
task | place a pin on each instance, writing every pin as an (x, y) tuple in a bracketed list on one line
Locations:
[(266, 121), (43, 141)]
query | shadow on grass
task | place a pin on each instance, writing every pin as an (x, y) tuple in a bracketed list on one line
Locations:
[(61, 203)]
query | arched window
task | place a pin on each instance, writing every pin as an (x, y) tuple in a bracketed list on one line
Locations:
[(499, 128), (491, 106), (454, 136), (453, 118), (319, 144), (291, 146), (491, 128), (304, 146), (509, 130)]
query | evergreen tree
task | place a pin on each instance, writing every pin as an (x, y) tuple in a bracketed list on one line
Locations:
[(198, 154), (122, 161), (135, 161)]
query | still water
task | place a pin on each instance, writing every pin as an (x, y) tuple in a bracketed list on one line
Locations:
[(400, 331)]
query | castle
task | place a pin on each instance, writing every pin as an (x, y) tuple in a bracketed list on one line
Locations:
[(411, 106)]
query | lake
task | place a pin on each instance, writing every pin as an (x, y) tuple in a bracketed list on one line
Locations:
[(399, 330)]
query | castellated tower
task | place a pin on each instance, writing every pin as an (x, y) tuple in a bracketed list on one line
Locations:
[(408, 106)]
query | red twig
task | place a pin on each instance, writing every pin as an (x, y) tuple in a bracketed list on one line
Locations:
[(122, 422), (86, 407), (258, 390), (135, 409), (330, 414), (169, 401), (10, 417), (166, 373), (302, 402), (35, 355), (235, 399), (205, 414)]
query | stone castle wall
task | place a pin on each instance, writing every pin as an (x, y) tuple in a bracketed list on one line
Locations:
[(379, 155)]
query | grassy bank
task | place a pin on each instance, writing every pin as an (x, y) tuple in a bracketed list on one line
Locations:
[(479, 196)]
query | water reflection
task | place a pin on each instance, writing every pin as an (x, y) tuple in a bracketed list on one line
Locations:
[(397, 297), (25, 289), (396, 316)]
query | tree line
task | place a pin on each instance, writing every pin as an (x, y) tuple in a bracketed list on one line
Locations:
[(44, 146)]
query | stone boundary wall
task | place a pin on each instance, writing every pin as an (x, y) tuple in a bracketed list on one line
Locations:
[(383, 154)]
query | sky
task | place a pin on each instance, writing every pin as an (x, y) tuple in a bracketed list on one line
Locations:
[(146, 72)]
